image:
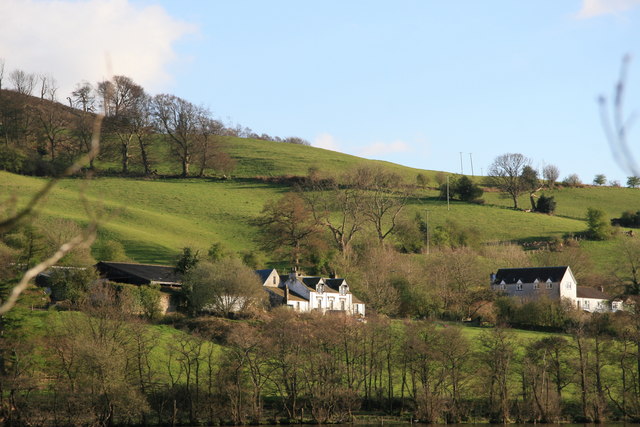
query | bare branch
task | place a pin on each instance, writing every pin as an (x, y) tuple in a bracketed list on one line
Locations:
[(616, 126)]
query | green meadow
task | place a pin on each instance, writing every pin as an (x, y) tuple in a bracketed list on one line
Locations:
[(155, 218)]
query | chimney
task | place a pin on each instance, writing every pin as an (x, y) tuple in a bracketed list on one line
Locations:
[(492, 278), (293, 274), (601, 288), (332, 275), (286, 294)]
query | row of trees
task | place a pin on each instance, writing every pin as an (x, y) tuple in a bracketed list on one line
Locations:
[(42, 136), (101, 367)]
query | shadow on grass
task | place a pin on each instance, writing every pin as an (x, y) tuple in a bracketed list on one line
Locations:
[(149, 253)]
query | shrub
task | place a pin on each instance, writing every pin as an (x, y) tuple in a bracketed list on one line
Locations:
[(546, 204)]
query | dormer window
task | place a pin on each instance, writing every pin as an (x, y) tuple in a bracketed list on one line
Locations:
[(320, 288), (519, 286), (343, 289), (549, 284)]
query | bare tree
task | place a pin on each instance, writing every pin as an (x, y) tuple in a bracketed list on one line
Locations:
[(180, 121), (506, 173), (121, 96), (338, 208), (222, 287), (383, 198), (551, 173), (53, 124), (48, 87), (286, 225), (83, 97), (23, 82), (208, 143)]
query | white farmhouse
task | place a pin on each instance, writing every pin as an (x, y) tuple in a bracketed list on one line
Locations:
[(557, 283), (309, 293)]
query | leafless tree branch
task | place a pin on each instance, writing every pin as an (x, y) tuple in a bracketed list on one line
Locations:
[(616, 126)]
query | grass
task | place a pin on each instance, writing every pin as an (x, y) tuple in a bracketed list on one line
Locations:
[(154, 219)]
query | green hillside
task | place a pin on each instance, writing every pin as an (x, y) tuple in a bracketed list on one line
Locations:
[(154, 219)]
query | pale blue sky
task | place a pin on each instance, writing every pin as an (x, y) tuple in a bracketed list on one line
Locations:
[(412, 82)]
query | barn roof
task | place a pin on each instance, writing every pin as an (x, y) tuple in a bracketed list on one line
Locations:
[(138, 274)]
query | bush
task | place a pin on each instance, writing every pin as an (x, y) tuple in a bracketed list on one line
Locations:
[(462, 189), (546, 204)]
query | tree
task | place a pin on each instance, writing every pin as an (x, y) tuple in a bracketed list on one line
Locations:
[(551, 173), (598, 224), (83, 97), (222, 287), (422, 180), (180, 121), (633, 182), (600, 179), (187, 260), (572, 180), (121, 101), (382, 200), (288, 227), (23, 82), (337, 207), (506, 173)]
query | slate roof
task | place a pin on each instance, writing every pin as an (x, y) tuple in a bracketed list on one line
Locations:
[(586, 292), (264, 274), (310, 281), (334, 283), (280, 292), (529, 275), (138, 274)]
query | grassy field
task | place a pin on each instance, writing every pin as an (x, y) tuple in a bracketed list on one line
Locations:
[(154, 219)]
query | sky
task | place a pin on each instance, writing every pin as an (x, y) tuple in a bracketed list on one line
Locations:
[(442, 85)]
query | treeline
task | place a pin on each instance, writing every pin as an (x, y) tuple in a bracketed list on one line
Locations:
[(101, 367), (41, 136)]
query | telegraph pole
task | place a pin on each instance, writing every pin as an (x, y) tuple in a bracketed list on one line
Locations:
[(461, 168), (471, 160)]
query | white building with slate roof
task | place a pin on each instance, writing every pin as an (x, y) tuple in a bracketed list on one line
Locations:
[(309, 293), (557, 283)]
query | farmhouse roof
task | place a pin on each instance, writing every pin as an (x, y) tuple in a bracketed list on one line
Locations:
[(586, 292), (530, 274), (138, 274), (335, 283), (264, 274)]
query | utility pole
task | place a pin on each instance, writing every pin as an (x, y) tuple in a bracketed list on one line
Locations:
[(461, 168), (471, 160)]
